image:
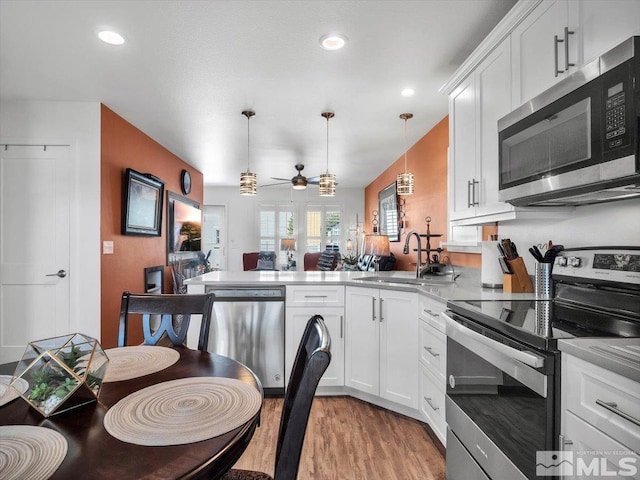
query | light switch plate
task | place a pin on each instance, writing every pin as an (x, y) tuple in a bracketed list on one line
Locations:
[(107, 247)]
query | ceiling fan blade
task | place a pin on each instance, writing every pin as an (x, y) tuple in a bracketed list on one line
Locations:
[(281, 179), (274, 184), (313, 182)]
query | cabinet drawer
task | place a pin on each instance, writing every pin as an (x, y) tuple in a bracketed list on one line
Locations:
[(433, 351), (588, 442), (310, 295), (602, 398), (432, 403), (430, 311)]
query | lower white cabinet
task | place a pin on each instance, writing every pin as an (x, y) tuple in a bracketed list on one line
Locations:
[(303, 302), (381, 343), (600, 419), (433, 366)]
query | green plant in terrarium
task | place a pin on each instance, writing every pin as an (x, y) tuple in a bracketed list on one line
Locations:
[(41, 376), (71, 358), (41, 392), (66, 388)]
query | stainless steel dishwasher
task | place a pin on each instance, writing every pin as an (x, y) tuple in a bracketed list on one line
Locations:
[(248, 326)]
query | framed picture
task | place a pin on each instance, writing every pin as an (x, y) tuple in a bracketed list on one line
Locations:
[(142, 204), (388, 213)]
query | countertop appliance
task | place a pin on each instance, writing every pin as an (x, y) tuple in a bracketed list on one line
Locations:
[(577, 142), (248, 325), (503, 364)]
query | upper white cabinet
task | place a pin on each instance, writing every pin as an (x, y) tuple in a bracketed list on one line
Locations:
[(538, 43), (545, 49), (559, 36), (475, 107), (606, 23)]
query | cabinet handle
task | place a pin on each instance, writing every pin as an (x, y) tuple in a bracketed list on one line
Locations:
[(381, 311), (315, 296), (613, 407), (430, 350), (469, 204), (563, 442), (373, 308), (473, 193), (341, 325), (567, 32), (556, 41), (426, 310), (428, 400)]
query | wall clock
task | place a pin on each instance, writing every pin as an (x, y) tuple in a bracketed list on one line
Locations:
[(185, 182)]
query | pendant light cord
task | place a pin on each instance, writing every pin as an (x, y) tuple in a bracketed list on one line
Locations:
[(249, 143), (405, 145), (327, 144)]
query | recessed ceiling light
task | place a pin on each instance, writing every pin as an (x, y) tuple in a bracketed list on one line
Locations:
[(110, 37), (407, 92), (333, 41)]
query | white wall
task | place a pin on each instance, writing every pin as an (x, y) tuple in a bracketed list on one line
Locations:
[(242, 214), (76, 124), (603, 224)]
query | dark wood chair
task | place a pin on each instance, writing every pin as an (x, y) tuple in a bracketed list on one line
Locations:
[(250, 260), (175, 314), (312, 359)]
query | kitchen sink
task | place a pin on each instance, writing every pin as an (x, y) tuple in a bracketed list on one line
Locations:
[(409, 281)]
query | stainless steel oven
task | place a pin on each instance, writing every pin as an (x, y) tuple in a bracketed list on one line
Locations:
[(503, 365), (500, 399)]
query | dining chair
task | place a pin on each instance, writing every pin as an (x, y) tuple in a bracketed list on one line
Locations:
[(175, 314), (312, 359)]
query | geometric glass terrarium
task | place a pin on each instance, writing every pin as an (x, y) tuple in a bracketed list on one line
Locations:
[(62, 372)]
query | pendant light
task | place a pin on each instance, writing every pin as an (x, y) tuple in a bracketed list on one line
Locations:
[(327, 182), (248, 179), (404, 181)]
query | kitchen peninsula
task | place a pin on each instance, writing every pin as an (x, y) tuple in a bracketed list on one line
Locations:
[(388, 340)]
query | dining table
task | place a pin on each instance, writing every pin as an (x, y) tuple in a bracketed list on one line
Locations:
[(94, 453)]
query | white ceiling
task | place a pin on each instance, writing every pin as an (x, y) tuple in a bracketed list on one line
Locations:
[(189, 68)]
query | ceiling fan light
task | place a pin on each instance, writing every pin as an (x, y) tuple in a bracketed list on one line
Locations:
[(248, 183), (404, 183), (327, 185)]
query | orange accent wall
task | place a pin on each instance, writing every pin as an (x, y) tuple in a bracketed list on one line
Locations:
[(427, 160), (122, 146)]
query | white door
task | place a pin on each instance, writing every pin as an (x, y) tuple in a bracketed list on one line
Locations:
[(214, 235), (34, 246)]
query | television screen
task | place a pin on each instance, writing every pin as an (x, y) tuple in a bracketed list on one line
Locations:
[(185, 228)]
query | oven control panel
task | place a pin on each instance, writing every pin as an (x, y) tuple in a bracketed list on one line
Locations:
[(613, 264)]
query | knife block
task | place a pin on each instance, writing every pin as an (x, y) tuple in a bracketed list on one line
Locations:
[(518, 281)]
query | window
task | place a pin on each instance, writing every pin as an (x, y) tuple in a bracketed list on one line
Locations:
[(276, 223), (323, 228)]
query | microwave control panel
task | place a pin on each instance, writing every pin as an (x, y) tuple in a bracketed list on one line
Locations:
[(615, 117)]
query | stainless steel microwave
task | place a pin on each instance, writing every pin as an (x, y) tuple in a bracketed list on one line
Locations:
[(576, 143)]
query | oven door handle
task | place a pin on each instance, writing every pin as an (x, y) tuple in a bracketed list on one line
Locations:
[(513, 362)]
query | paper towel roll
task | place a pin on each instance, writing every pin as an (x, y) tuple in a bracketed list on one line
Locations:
[(491, 274)]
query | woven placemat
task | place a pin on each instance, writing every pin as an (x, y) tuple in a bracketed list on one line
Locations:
[(30, 452), (132, 362), (183, 411), (8, 393)]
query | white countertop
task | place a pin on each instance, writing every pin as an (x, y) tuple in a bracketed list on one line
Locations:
[(619, 355), (466, 287)]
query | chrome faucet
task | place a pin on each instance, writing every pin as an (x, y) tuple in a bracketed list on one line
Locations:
[(406, 250)]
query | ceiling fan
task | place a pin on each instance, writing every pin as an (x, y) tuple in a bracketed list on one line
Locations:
[(299, 182)]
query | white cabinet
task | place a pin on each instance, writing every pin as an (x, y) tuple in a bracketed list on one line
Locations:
[(606, 23), (540, 45), (600, 413), (433, 366), (327, 301), (539, 61), (475, 107), (382, 343)]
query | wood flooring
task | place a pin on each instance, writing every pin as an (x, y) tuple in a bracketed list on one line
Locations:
[(348, 439)]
